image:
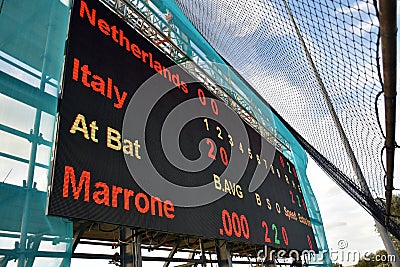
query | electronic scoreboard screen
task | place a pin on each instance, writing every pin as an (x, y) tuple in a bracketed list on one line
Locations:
[(141, 143)]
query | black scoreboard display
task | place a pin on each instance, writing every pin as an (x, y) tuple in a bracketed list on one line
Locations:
[(141, 143)]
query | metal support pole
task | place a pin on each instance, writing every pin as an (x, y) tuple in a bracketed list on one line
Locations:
[(126, 248), (28, 189), (137, 248), (32, 159), (388, 25), (172, 252), (78, 234), (34, 245), (223, 254), (349, 151), (202, 256)]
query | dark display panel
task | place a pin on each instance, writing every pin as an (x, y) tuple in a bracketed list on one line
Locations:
[(141, 143)]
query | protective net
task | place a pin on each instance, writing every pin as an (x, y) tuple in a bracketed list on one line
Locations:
[(317, 64)]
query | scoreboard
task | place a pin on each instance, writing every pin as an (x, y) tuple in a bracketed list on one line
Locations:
[(141, 143)]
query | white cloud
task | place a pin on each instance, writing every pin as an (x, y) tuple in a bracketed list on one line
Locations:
[(358, 12), (245, 17), (354, 8)]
